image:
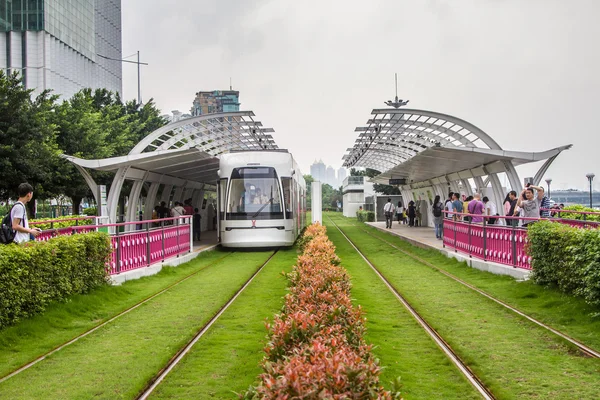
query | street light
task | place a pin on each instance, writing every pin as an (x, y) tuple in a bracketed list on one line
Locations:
[(397, 103), (549, 181), (138, 70), (590, 177)]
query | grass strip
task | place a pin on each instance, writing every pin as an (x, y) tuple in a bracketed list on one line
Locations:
[(117, 360), (402, 346), (569, 314), (226, 360), (33, 337), (515, 358)]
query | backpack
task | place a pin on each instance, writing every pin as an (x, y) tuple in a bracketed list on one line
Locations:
[(437, 209), (7, 234)]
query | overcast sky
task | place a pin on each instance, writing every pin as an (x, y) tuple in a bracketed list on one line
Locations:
[(527, 72)]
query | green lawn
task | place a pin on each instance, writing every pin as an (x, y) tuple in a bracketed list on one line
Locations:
[(570, 315), (117, 360), (227, 359), (515, 358), (402, 346), (33, 337)]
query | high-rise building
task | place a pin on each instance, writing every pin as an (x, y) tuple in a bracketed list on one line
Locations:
[(341, 175), (330, 177), (318, 171), (216, 101), (57, 45)]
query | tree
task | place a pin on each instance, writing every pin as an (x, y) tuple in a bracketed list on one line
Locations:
[(377, 187), (309, 180), (28, 149)]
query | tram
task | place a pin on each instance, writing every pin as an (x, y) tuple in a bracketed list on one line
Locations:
[(261, 198)]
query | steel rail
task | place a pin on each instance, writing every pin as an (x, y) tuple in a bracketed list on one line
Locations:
[(160, 376), (582, 347), (437, 338), (95, 328)]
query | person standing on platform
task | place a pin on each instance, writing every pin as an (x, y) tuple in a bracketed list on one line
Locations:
[(545, 206), (531, 206), (399, 212), (412, 213), (196, 224), (457, 206), (448, 205), (388, 210), (466, 202), (187, 206), (512, 209), (438, 217), (477, 208), (490, 210)]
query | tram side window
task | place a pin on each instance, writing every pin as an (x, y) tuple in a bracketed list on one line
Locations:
[(287, 185), (222, 198)]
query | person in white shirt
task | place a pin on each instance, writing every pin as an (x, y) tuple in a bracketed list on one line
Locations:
[(449, 206), (18, 215), (490, 210), (388, 210)]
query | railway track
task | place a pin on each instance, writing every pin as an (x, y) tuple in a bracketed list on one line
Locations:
[(437, 338), (161, 375), (108, 321), (582, 347)]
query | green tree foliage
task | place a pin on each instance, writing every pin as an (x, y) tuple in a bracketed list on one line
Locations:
[(378, 187), (309, 180), (27, 138)]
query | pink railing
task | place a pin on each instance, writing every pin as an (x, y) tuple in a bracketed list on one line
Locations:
[(147, 242)]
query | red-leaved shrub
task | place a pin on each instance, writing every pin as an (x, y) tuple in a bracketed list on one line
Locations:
[(316, 347)]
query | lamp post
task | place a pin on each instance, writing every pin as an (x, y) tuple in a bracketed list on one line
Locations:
[(549, 181), (138, 70), (590, 177)]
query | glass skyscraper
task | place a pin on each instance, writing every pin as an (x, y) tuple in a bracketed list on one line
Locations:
[(55, 44)]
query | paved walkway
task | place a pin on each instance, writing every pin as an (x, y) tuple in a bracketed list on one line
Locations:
[(208, 239), (420, 236)]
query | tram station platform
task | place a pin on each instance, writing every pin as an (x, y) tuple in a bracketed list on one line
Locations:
[(208, 241), (424, 237)]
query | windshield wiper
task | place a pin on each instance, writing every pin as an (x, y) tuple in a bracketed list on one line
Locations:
[(262, 208)]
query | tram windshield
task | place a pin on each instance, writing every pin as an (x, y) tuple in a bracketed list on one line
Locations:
[(254, 194)]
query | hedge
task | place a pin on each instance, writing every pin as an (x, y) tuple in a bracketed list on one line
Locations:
[(64, 222), (316, 345), (34, 274), (365, 216), (587, 217), (566, 257)]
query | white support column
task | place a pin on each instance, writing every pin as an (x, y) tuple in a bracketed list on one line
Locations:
[(150, 200), (178, 194), (197, 198), (188, 194), (498, 192), (467, 185), (455, 188), (115, 193), (134, 198), (513, 177), (316, 202)]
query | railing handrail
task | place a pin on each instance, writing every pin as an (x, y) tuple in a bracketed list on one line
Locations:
[(149, 221), (562, 210), (485, 216)]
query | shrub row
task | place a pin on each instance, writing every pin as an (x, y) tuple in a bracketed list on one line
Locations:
[(587, 217), (316, 347), (34, 274), (365, 216), (566, 257), (64, 223)]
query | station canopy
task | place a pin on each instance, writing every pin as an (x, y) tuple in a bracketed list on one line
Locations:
[(188, 150), (418, 147)]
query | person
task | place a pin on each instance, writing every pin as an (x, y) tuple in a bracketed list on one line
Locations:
[(438, 217), (399, 212), (448, 205), (465, 203), (187, 206), (412, 213), (178, 210), (247, 197), (512, 209), (490, 210), (163, 211), (404, 216), (476, 207), (18, 215), (260, 198), (531, 206), (545, 205), (196, 224), (457, 206), (388, 210)]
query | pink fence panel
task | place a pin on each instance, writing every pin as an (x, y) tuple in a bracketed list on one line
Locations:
[(499, 244)]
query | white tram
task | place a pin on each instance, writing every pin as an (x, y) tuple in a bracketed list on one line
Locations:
[(261, 199)]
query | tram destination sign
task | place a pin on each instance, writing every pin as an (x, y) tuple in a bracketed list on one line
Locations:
[(398, 181)]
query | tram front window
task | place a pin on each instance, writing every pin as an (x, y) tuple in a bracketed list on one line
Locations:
[(254, 194)]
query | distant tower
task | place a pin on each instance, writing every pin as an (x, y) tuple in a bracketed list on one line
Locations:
[(215, 101)]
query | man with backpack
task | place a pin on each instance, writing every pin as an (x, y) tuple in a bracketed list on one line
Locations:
[(18, 215)]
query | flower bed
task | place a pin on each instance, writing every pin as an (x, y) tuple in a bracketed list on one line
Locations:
[(317, 347)]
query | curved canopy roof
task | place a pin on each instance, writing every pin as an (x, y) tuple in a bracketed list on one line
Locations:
[(186, 151)]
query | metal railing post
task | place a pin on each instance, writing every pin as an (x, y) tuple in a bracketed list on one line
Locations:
[(484, 240), (148, 243), (118, 241), (514, 244), (470, 220), (178, 231), (163, 241), (454, 222)]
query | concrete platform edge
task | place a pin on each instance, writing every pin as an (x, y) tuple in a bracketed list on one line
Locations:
[(487, 266), (157, 267)]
